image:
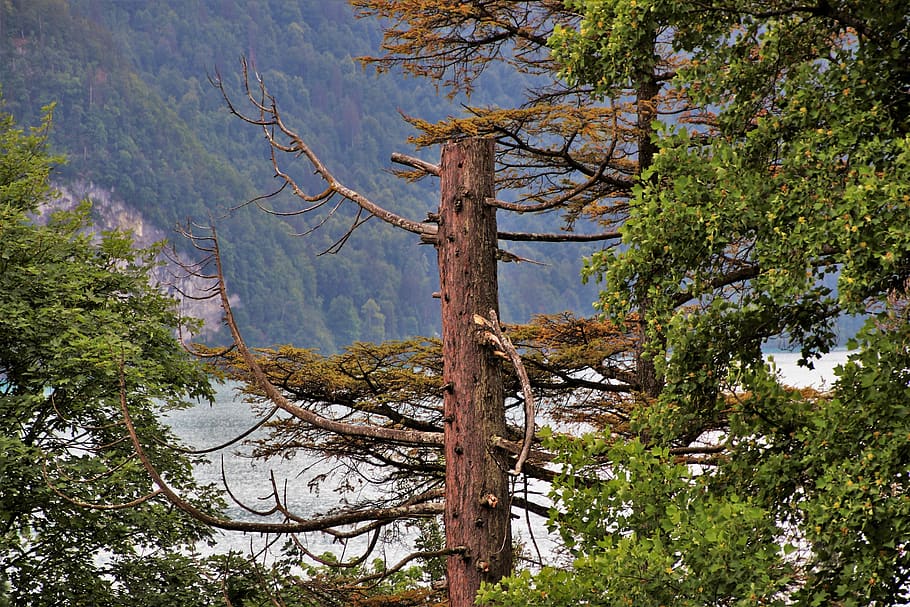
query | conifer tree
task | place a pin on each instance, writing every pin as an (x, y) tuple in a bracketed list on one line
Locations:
[(401, 414), (561, 154)]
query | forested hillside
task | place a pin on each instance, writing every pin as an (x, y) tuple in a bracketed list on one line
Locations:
[(136, 115)]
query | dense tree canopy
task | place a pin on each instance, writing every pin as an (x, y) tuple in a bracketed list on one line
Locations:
[(83, 333), (737, 234)]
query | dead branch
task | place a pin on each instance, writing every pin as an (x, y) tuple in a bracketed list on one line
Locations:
[(412, 437), (417, 163), (375, 517), (319, 523), (284, 140), (231, 441), (505, 344), (562, 199), (426, 554), (241, 503), (507, 257), (557, 237), (356, 562), (426, 497)]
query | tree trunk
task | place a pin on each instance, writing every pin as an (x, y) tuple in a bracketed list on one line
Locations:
[(648, 90), (477, 520)]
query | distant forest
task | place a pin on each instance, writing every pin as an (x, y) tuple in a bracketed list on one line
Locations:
[(136, 115)]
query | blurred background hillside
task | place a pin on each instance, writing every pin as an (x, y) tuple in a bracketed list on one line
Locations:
[(151, 141)]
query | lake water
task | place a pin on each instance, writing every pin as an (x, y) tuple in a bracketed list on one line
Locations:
[(821, 377), (205, 426)]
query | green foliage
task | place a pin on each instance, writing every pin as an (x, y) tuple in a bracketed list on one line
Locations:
[(805, 174), (613, 61), (77, 315), (809, 505), (835, 468), (649, 532), (785, 209)]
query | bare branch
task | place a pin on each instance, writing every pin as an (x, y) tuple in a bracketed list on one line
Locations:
[(565, 237), (236, 439), (284, 140), (507, 257), (412, 437), (319, 523), (562, 198), (506, 344), (425, 554), (427, 497), (417, 163)]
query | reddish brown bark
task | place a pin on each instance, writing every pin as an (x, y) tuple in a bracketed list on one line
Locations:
[(477, 501)]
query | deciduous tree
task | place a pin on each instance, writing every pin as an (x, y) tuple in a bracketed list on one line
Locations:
[(785, 210), (84, 334)]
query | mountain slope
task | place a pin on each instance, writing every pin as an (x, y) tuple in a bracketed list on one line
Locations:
[(137, 116)]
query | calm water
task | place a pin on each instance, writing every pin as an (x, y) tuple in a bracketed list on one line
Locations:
[(205, 426), (822, 376)]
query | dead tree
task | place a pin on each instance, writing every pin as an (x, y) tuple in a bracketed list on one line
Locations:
[(476, 512), (424, 420), (454, 459), (561, 151)]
